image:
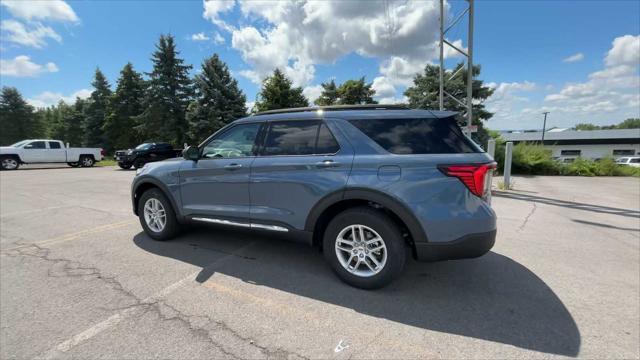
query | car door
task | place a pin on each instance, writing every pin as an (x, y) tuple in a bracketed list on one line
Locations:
[(56, 152), (299, 163), (34, 152), (217, 185)]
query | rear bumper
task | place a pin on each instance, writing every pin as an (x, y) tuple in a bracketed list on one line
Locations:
[(469, 246)]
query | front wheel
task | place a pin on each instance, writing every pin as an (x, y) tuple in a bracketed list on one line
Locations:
[(138, 163), (86, 161), (9, 163), (124, 166), (157, 216), (73, 164), (364, 247)]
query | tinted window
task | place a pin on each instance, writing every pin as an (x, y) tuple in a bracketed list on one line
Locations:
[(238, 141), (635, 161), (291, 138), (36, 145), (570, 152), (54, 145), (416, 136), (326, 144), (624, 152)]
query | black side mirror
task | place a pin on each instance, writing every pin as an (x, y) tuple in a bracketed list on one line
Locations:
[(191, 153)]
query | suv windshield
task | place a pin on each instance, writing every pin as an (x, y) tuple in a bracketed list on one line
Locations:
[(144, 146), (417, 136)]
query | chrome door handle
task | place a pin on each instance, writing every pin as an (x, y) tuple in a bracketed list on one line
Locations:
[(233, 166), (327, 163)]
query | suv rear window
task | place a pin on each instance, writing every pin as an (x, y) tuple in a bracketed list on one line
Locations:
[(302, 137), (417, 136)]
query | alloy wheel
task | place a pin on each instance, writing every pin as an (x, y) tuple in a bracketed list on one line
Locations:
[(361, 250)]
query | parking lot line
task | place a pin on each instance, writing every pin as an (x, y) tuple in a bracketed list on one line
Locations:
[(113, 320), (75, 235)]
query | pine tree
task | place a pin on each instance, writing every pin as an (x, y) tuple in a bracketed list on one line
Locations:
[(329, 95), (219, 101), (277, 93), (18, 120), (169, 92), (424, 95), (125, 104), (356, 92), (351, 92), (73, 118), (96, 111)]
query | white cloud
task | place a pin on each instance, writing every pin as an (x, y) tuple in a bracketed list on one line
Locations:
[(507, 98), (249, 105), (200, 37), (296, 36), (22, 66), (218, 39), (213, 9), (384, 87), (607, 95), (33, 35), (312, 92), (573, 58), (41, 10), (625, 50), (49, 98)]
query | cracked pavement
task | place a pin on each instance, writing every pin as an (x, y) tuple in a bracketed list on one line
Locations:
[(78, 279)]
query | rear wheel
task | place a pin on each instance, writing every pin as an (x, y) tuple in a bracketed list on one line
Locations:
[(86, 161), (9, 163), (157, 216), (364, 247)]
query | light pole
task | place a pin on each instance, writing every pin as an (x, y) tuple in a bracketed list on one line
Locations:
[(544, 125)]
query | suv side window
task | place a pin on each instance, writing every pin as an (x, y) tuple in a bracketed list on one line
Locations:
[(54, 145), (301, 137), (237, 141), (326, 144)]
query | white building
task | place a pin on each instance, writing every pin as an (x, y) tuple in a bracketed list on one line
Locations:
[(593, 144)]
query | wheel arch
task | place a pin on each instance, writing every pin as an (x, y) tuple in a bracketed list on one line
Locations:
[(335, 203), (146, 184)]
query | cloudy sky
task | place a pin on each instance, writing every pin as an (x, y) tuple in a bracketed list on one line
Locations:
[(578, 59)]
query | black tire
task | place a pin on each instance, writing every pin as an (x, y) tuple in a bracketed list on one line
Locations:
[(171, 227), (385, 227), (86, 161), (138, 163), (73, 164), (124, 166), (9, 163)]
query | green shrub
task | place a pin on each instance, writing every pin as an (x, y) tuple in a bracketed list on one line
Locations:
[(533, 159), (580, 167)]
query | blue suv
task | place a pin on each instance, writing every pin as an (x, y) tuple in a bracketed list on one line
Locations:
[(370, 186)]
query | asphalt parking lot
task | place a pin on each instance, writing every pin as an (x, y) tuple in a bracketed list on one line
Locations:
[(79, 279)]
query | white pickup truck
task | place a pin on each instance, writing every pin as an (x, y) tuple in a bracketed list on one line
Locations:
[(47, 151)]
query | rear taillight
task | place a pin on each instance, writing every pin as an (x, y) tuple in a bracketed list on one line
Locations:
[(473, 176), (102, 152)]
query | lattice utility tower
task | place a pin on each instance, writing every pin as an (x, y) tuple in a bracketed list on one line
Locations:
[(468, 102)]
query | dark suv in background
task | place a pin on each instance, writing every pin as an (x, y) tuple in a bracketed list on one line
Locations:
[(369, 185), (145, 153)]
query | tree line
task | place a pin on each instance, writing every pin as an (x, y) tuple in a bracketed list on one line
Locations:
[(167, 104)]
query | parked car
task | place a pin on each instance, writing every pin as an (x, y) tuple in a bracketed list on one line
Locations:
[(633, 161), (47, 151), (368, 185), (145, 153)]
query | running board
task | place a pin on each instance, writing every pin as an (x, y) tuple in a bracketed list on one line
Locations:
[(240, 224)]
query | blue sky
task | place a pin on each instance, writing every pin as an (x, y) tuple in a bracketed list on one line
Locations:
[(578, 59)]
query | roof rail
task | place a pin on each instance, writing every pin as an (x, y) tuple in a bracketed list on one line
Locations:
[(336, 108)]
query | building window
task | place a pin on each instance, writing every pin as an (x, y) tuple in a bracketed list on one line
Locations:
[(570, 152), (623, 152)]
